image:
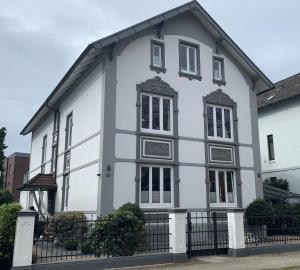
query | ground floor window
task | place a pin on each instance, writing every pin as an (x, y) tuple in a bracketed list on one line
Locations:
[(65, 195), (156, 186), (221, 187)]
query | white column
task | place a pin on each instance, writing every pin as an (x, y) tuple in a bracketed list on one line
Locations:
[(236, 232), (24, 238), (177, 229)]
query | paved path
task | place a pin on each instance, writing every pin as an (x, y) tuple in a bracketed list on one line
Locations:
[(282, 261)]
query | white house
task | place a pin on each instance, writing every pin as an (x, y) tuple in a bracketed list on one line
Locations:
[(278, 112), (162, 114)]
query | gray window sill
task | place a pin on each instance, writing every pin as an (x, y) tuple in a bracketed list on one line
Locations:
[(218, 82), (190, 76), (158, 69)]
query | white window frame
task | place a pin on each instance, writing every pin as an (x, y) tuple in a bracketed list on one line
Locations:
[(215, 137), (160, 46), (221, 161), (170, 156), (187, 71), (226, 204), (160, 130), (69, 130), (161, 204), (66, 192), (220, 69)]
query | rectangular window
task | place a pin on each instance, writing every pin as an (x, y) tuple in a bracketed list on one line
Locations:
[(156, 114), (69, 126), (271, 147), (188, 58), (217, 69), (219, 122), (156, 186), (44, 154), (221, 187), (157, 55), (66, 189)]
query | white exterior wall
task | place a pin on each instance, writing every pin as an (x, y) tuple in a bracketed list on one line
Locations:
[(85, 104), (281, 121), (133, 60)]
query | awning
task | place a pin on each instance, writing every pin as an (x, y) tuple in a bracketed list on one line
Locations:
[(39, 182)]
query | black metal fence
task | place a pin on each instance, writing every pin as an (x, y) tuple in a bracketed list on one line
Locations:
[(207, 233), (268, 231), (54, 241)]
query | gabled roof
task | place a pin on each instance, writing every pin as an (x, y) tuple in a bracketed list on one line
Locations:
[(40, 181), (93, 53), (283, 90), (271, 192)]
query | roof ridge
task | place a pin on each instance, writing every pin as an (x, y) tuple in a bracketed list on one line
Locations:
[(294, 75)]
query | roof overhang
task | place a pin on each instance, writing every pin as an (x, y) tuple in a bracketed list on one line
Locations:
[(94, 51)]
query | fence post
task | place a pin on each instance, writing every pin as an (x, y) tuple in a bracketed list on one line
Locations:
[(24, 238), (236, 232), (177, 230)]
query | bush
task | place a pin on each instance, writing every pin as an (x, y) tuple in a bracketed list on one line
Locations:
[(278, 183), (8, 219), (71, 244), (117, 234), (259, 212), (134, 209), (5, 196), (66, 225), (86, 247)]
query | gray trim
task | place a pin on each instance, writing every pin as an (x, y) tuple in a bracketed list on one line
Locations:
[(236, 210), (108, 143), (218, 97), (157, 86), (241, 252), (118, 262), (177, 210), (213, 145), (192, 164), (163, 157), (26, 213), (258, 250), (219, 82), (163, 56), (188, 75), (255, 141)]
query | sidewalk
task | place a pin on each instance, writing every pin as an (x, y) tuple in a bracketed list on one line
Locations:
[(282, 261)]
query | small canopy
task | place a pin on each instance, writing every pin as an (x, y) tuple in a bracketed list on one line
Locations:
[(42, 182)]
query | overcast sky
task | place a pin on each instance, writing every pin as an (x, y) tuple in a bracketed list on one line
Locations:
[(40, 40)]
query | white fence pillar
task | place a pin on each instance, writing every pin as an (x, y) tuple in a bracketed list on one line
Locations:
[(177, 230), (236, 232), (24, 238)]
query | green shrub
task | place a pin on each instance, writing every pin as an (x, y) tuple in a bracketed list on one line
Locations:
[(86, 247), (8, 219), (117, 234), (5, 196), (277, 182), (134, 209), (259, 212), (71, 244), (66, 225)]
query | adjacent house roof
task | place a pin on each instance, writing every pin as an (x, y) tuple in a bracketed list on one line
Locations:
[(283, 90), (271, 192), (94, 52), (40, 181)]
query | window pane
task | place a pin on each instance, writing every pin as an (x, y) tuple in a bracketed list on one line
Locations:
[(145, 111), (155, 113), (155, 185), (217, 69), (227, 123), (219, 122), (183, 57), (230, 188), (222, 196), (167, 185), (192, 59), (271, 147), (212, 187), (145, 185), (210, 121), (166, 116), (157, 55)]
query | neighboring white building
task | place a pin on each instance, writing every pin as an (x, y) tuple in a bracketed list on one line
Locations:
[(162, 114), (278, 112)]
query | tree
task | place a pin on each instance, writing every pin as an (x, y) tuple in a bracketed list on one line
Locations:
[(278, 183), (2, 156)]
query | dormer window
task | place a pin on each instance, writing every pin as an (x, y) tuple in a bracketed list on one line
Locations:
[(157, 56)]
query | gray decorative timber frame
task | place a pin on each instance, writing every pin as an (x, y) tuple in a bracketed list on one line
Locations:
[(163, 59), (158, 87), (219, 82), (218, 97)]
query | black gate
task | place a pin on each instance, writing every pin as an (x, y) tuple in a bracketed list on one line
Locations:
[(207, 233)]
